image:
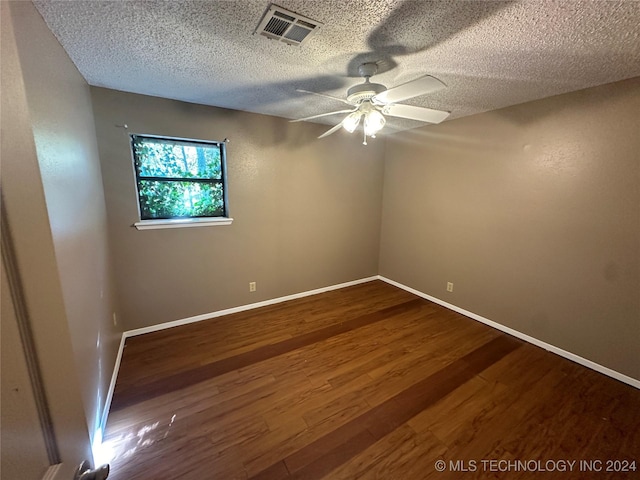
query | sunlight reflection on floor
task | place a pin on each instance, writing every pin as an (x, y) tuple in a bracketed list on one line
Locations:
[(125, 445)]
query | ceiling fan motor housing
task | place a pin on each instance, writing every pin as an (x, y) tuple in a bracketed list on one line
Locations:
[(365, 91)]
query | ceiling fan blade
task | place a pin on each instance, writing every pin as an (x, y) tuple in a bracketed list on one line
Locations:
[(331, 130), (419, 86), (422, 114), (322, 115), (323, 95)]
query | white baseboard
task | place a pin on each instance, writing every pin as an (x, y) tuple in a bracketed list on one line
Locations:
[(53, 472), (112, 384), (522, 336), (208, 316), (534, 341), (242, 308)]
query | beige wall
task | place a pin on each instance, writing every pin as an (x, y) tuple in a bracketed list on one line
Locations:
[(28, 226), (307, 211), (533, 212), (23, 453), (60, 124)]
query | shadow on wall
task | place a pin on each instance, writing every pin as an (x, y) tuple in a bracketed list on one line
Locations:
[(466, 136), (544, 109), (566, 78), (454, 137)]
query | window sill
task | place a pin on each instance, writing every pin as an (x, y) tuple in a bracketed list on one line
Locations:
[(182, 223)]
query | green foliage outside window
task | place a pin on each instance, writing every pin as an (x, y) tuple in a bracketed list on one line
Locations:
[(179, 178)]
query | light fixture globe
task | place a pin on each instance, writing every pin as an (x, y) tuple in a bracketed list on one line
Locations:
[(373, 122), (351, 122)]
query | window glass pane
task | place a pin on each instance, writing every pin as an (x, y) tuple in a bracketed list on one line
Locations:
[(162, 158), (162, 199)]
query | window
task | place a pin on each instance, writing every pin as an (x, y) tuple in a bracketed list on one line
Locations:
[(178, 178)]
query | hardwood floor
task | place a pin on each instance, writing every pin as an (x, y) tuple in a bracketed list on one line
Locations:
[(367, 382)]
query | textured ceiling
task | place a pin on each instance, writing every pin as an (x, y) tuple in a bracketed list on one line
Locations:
[(490, 54)]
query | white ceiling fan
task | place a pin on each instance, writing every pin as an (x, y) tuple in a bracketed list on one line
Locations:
[(372, 101)]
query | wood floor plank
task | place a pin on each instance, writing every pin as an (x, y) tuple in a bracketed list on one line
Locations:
[(365, 382), (140, 392), (401, 454), (153, 355), (283, 440), (327, 453)]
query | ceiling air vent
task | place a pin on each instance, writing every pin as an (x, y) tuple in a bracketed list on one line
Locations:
[(285, 26)]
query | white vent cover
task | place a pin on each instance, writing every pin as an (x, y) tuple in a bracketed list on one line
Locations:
[(285, 26)]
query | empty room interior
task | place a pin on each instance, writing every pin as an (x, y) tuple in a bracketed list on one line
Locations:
[(320, 240)]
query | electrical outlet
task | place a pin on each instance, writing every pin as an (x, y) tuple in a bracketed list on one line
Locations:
[(449, 287), (252, 286)]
